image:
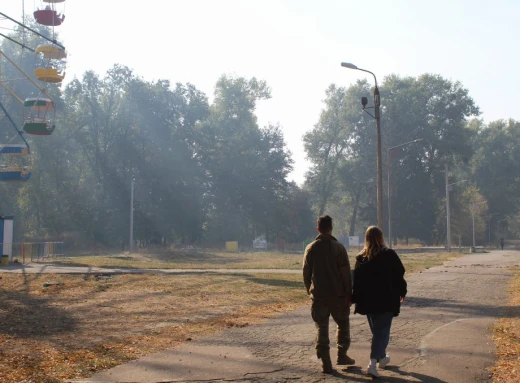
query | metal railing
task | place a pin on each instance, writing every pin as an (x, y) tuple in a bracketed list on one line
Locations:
[(33, 251)]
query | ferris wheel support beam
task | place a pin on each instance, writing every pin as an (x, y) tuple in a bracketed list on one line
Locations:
[(25, 74), (32, 30), (16, 42), (20, 133), (11, 92)]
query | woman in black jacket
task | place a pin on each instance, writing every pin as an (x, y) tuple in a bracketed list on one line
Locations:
[(378, 291)]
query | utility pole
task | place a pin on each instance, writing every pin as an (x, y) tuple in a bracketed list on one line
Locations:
[(473, 221), (377, 104), (389, 165), (377, 117), (448, 226), (132, 216)]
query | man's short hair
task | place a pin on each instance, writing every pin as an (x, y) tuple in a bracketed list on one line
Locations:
[(324, 223)]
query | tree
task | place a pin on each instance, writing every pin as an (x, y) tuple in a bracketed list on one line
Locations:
[(246, 165), (436, 110), (341, 148), (469, 203), (333, 140), (496, 166), (295, 218)]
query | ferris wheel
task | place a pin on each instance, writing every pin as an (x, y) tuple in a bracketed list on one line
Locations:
[(39, 112)]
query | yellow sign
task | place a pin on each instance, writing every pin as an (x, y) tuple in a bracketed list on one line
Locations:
[(232, 247)]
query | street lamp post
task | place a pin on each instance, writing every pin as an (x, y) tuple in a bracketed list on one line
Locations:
[(448, 223), (377, 117), (473, 223), (131, 239), (389, 159)]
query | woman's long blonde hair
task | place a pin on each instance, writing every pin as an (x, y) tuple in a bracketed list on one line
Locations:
[(374, 242)]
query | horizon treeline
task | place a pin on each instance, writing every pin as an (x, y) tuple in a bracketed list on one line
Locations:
[(206, 172)]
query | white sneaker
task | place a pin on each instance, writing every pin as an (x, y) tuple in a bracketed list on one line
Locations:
[(372, 371), (384, 362)]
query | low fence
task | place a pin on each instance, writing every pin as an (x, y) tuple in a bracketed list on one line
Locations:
[(33, 251)]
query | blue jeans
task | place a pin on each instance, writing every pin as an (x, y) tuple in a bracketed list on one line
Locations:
[(380, 326)]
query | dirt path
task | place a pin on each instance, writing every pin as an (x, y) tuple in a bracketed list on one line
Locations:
[(442, 335), (50, 268)]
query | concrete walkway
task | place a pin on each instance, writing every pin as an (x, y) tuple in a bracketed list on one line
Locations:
[(43, 267), (442, 335)]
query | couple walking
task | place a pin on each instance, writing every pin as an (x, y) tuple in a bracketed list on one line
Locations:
[(378, 289)]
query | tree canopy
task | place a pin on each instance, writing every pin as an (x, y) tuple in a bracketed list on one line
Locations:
[(206, 172), (440, 114), (203, 173)]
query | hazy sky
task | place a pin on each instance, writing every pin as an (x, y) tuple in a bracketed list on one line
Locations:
[(297, 47)]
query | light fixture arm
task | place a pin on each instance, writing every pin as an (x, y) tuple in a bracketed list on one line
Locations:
[(377, 117), (370, 114)]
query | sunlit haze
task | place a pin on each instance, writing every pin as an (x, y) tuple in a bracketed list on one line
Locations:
[(297, 47)]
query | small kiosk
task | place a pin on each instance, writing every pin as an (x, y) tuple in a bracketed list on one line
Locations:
[(6, 237)]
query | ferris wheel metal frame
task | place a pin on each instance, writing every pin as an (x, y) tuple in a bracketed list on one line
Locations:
[(36, 123)]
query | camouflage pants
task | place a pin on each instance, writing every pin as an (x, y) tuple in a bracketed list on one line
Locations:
[(321, 311)]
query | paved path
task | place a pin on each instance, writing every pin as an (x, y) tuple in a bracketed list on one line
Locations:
[(43, 267), (442, 335)]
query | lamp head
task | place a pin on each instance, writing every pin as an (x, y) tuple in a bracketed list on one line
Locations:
[(348, 65), (364, 101)]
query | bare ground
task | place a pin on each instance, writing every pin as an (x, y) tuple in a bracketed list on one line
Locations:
[(55, 327), (88, 323), (252, 260)]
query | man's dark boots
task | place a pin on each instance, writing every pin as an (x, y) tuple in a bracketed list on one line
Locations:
[(326, 363), (344, 359)]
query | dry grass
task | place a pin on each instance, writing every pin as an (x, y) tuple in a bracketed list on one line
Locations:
[(506, 334), (181, 260), (87, 324), (254, 260)]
